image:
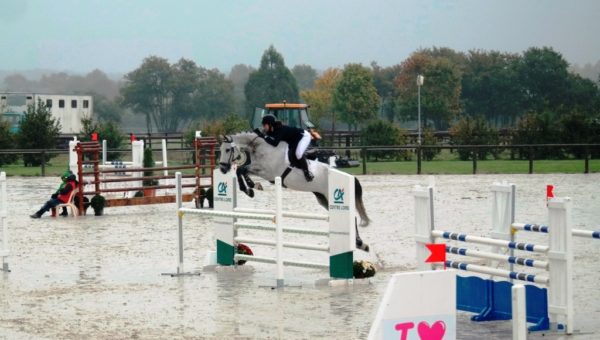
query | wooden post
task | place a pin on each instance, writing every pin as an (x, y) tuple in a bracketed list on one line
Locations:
[(96, 158), (364, 160), (530, 160), (586, 169), (418, 160), (474, 161), (197, 149), (43, 163)]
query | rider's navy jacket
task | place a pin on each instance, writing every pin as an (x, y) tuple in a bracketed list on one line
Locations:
[(288, 134)]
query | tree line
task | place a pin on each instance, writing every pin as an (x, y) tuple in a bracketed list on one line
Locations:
[(502, 88)]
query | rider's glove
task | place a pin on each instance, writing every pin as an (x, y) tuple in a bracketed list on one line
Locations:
[(259, 133)]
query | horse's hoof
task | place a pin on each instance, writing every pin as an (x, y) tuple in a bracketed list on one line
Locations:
[(251, 193), (258, 186)]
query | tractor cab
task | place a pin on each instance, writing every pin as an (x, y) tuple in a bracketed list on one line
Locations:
[(295, 115)]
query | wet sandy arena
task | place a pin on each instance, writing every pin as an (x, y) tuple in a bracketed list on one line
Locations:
[(100, 277)]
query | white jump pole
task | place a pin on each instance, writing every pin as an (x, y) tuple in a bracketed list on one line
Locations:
[(104, 152), (503, 201), (137, 159), (4, 252), (164, 157), (179, 222), (73, 157), (519, 315), (279, 231), (179, 203), (424, 224), (560, 256)]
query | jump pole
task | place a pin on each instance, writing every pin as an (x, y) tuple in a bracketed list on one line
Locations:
[(179, 203), (4, 252)]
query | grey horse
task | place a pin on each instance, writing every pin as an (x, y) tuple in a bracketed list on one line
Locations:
[(255, 157)]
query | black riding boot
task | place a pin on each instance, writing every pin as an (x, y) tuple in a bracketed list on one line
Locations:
[(303, 163)]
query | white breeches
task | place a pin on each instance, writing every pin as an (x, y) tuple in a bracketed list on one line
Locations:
[(303, 144)]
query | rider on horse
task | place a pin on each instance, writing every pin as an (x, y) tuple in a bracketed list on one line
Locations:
[(297, 140)]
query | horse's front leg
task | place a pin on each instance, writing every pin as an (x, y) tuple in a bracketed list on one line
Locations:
[(244, 172), (242, 183)]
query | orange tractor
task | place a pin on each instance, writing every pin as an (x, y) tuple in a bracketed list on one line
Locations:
[(295, 115)]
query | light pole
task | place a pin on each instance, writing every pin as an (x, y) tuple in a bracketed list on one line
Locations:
[(420, 80)]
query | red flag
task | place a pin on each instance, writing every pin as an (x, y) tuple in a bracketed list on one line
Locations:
[(132, 137), (438, 252), (95, 136), (549, 191)]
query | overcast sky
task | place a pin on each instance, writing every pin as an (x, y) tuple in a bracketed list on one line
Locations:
[(115, 35)]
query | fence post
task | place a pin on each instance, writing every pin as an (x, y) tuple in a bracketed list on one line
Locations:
[(474, 161), (586, 169), (530, 160), (43, 163), (364, 160), (418, 160)]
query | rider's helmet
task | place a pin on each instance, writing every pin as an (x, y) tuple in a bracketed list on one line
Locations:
[(269, 120)]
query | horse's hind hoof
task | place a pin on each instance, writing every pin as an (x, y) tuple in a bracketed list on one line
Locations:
[(364, 247), (251, 193)]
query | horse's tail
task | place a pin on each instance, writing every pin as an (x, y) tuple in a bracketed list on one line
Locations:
[(360, 207)]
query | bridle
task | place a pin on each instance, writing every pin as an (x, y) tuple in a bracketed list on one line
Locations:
[(242, 157)]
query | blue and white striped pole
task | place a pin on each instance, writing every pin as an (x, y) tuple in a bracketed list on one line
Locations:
[(498, 257), (538, 228), (490, 241)]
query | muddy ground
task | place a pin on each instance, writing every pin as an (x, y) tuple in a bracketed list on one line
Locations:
[(100, 277)]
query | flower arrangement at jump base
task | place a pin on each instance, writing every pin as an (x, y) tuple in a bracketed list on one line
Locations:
[(243, 250), (363, 269), (98, 202)]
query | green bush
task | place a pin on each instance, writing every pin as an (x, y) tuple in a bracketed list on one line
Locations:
[(7, 142), (382, 133), (114, 138), (535, 128), (429, 139), (473, 131), (38, 130), (576, 128), (149, 163)]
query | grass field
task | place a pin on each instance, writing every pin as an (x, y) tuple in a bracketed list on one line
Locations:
[(483, 167)]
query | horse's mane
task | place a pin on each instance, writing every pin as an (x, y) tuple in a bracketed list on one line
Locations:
[(246, 138), (241, 137)]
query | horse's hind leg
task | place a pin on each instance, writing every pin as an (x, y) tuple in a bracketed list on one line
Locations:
[(359, 242), (322, 200)]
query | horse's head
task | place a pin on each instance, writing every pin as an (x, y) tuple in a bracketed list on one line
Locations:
[(230, 153)]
